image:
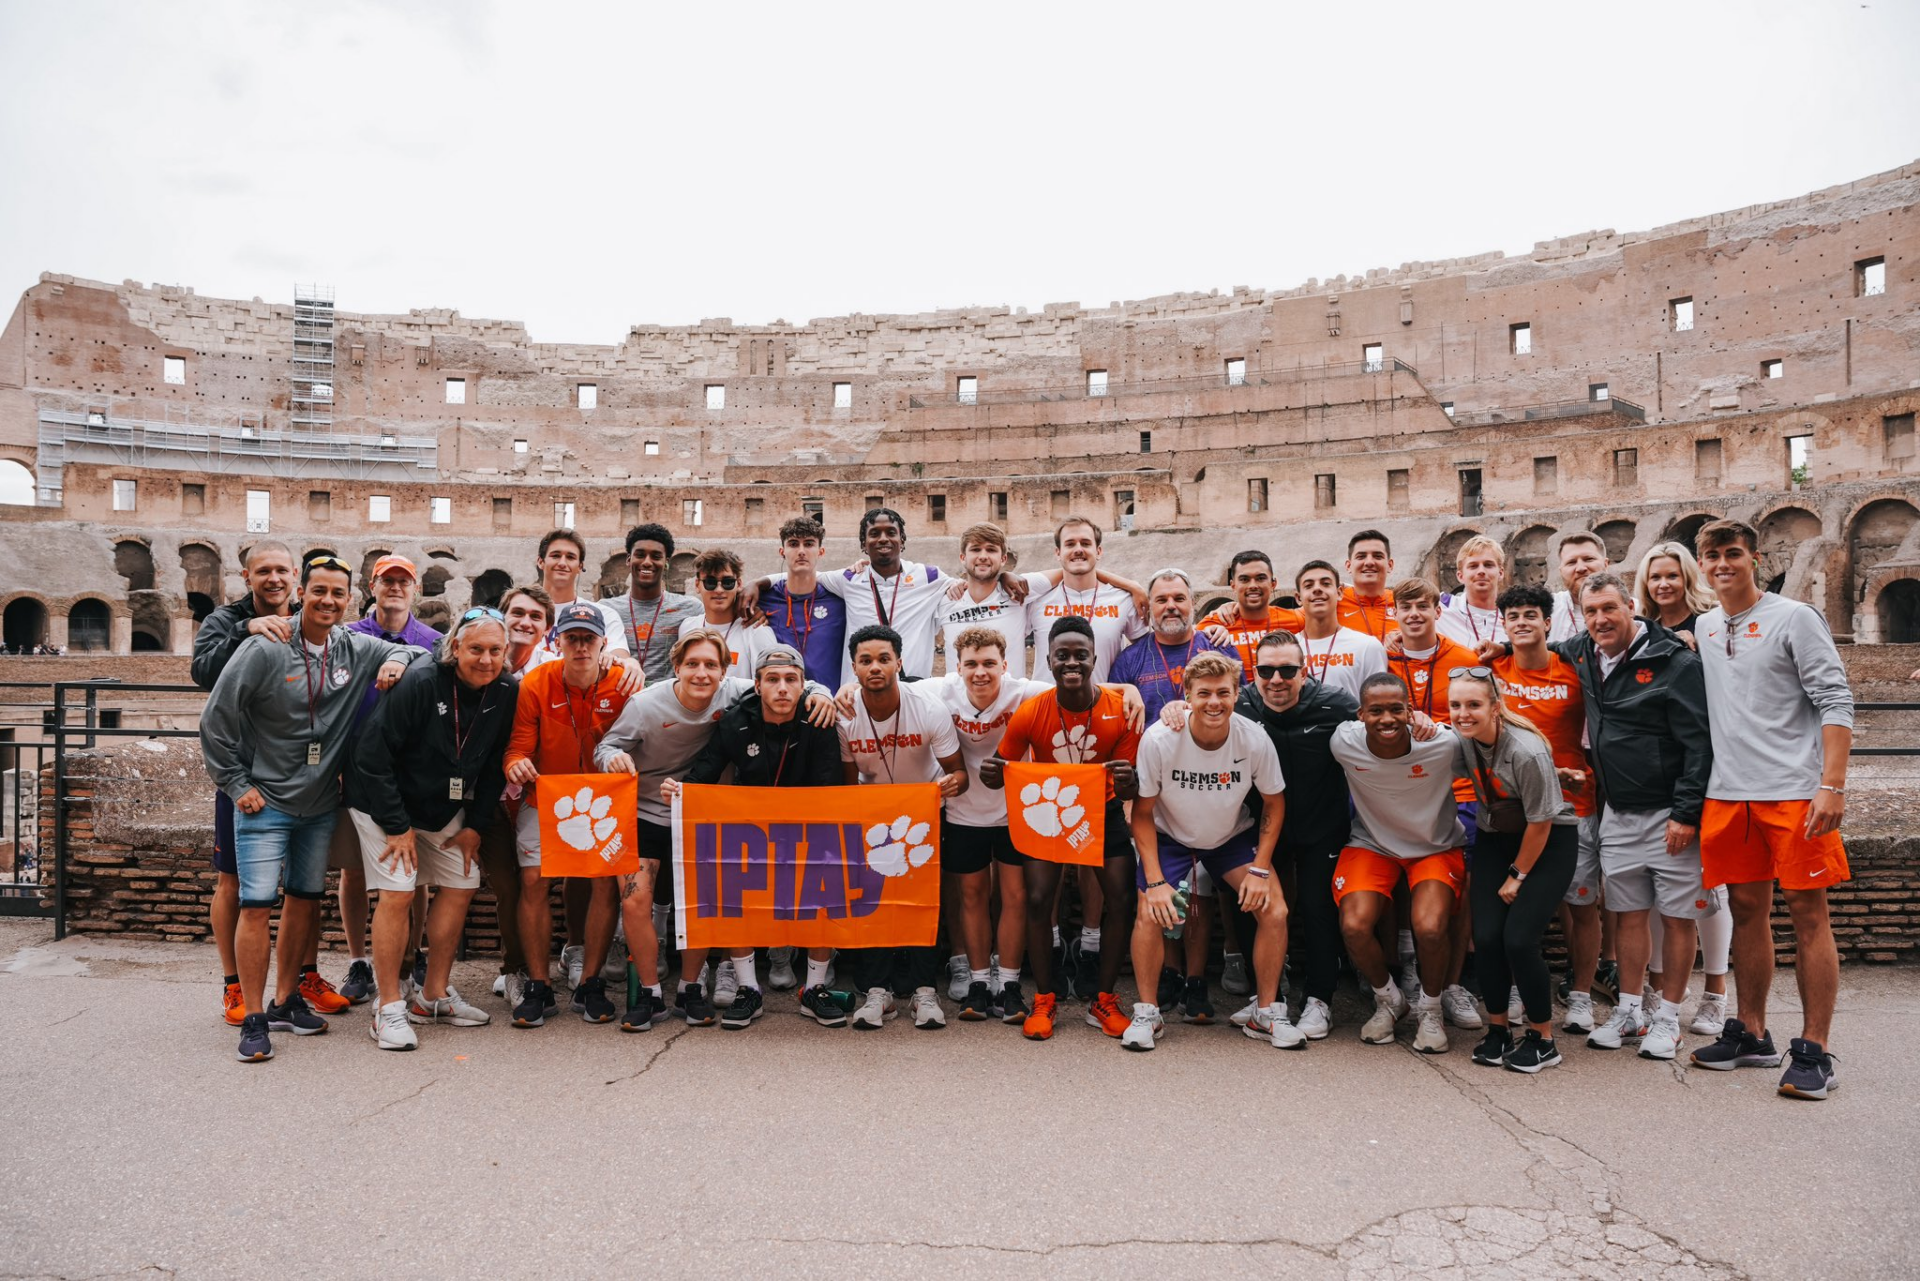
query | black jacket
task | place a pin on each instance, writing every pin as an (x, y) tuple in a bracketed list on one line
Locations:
[(1318, 817), (1647, 724), (221, 633), (795, 754), (401, 767)]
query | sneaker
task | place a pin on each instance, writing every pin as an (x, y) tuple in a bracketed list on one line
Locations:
[(1606, 980), (1038, 1026), (534, 1005), (1104, 1013), (874, 1011), (1316, 1020), (1737, 1048), (959, 977), (499, 986), (665, 958), (1711, 1016), (408, 987), (1662, 1040), (1493, 1047), (389, 1028), (255, 1045), (614, 968), (513, 987), (574, 960), (1234, 979), (780, 975), (1144, 1029), (358, 985), (1810, 1074), (1457, 1008), (817, 1001), (1010, 1004), (977, 1005), (419, 972), (1625, 1025), (590, 1001), (321, 996), (726, 984), (1410, 979), (1172, 984), (1579, 1020), (927, 1014), (644, 1009), (1516, 1009), (1379, 1028), (1430, 1036), (1194, 1003), (233, 1006), (451, 1008), (1533, 1053), (1270, 1024), (747, 1006), (692, 1003), (1086, 980), (295, 1016)]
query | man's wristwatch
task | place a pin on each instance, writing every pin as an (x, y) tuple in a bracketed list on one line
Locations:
[(1513, 870)]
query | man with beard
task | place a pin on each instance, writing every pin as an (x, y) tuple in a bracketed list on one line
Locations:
[(1252, 613), (1368, 606)]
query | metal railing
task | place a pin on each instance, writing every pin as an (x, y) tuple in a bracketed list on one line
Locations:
[(1886, 751), (1204, 382), (1550, 410)]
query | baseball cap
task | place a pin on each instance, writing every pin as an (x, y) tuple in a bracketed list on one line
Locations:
[(780, 656), (578, 616), (386, 563)]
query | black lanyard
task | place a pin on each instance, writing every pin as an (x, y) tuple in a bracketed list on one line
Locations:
[(873, 584), (306, 665), (460, 740)]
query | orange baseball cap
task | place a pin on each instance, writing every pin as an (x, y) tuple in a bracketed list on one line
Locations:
[(385, 563)]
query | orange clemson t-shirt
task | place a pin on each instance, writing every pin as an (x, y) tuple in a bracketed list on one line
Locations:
[(1047, 732)]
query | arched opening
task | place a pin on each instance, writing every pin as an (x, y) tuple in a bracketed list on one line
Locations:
[(16, 486), (613, 576), (1527, 557), (1684, 530), (435, 613), (89, 627), (1446, 554), (24, 626), (489, 587), (200, 604), (1617, 536), (365, 579), (201, 564), (152, 621), (434, 581), (1899, 611), (133, 561), (1877, 533), (1781, 534), (679, 570)]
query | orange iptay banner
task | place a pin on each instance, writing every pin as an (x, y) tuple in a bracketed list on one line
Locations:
[(588, 824), (807, 866), (1058, 812)]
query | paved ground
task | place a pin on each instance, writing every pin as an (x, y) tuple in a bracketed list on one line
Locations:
[(135, 1145)]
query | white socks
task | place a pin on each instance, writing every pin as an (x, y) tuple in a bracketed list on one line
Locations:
[(1385, 993), (1429, 1000), (1002, 976), (1089, 939), (1630, 1003), (745, 970), (982, 976), (816, 972)]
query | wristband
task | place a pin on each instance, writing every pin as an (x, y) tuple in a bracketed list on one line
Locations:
[(1262, 873), (1154, 885), (1513, 870), (1828, 787)]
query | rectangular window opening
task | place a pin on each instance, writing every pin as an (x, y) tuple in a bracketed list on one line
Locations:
[(1546, 476), (629, 511), (937, 508), (503, 513), (1096, 382), (379, 508), (843, 395), (440, 511), (1323, 491), (1899, 433), (1399, 497), (1626, 467), (123, 495), (1706, 461), (1470, 498), (588, 396), (520, 446), (875, 502), (1869, 277), (258, 504), (193, 499), (1123, 509), (1373, 356), (716, 395), (1773, 369), (1146, 442), (1060, 503), (691, 513), (562, 515), (997, 508), (1680, 314), (651, 449), (1598, 393), (756, 511), (1236, 371), (174, 370), (967, 390), (1257, 494), (1446, 407), (1799, 460), (1520, 338), (319, 505), (456, 391)]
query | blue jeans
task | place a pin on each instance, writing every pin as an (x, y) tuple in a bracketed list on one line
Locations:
[(272, 842)]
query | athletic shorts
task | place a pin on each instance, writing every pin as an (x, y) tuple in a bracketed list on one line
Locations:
[(1641, 875), (526, 836), (1177, 860), (343, 851), (656, 842), (1584, 889), (1365, 869), (223, 834), (966, 850), (1119, 843), (1747, 841), (437, 861), (1469, 812)]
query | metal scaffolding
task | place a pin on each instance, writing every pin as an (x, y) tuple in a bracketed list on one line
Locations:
[(312, 397)]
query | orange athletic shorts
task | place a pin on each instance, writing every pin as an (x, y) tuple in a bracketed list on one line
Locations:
[(1746, 841), (1364, 869)]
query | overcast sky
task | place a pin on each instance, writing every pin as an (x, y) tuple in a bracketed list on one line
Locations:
[(583, 168)]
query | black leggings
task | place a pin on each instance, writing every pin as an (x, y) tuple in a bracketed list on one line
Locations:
[(1316, 920), (1506, 936)]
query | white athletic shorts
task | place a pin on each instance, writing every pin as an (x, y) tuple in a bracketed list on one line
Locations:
[(437, 861)]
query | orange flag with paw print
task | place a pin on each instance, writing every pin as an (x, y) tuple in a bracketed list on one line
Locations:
[(1058, 812), (588, 824)]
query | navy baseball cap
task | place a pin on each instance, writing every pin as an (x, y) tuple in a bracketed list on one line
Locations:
[(578, 616)]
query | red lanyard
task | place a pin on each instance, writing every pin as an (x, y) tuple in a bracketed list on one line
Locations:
[(1326, 659), (459, 739), (1172, 680), (1085, 747), (781, 766), (306, 665), (806, 615), (879, 749), (1407, 662), (579, 739), (873, 584), (652, 622)]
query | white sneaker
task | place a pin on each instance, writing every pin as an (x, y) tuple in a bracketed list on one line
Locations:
[(780, 975), (499, 985), (574, 959), (451, 1008), (1379, 1029), (1711, 1017), (927, 1014), (1456, 1004), (1579, 1019), (1516, 1009), (1625, 1025), (408, 988), (614, 968), (513, 987), (389, 1028), (1662, 1040), (959, 977), (1234, 979), (1244, 1015), (1431, 1035), (726, 984), (1146, 1028), (1270, 1024), (874, 1011), (1316, 1020)]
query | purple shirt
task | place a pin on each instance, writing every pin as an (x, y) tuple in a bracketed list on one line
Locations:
[(1157, 670), (414, 633), (816, 625)]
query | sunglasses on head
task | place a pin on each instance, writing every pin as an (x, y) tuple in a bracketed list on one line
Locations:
[(714, 584), (1470, 673), (328, 562), (1285, 671), (483, 611)]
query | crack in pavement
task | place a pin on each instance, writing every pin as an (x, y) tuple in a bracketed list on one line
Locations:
[(1045, 1251), (653, 1058), (397, 1102), (70, 1018)]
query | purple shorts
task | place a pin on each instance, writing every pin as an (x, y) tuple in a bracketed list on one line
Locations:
[(1176, 860), (223, 835)]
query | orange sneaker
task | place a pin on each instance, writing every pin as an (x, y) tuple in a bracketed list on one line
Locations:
[(320, 994), (236, 1005), (1039, 1024), (1104, 1013)]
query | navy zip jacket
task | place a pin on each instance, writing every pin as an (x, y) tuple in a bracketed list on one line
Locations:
[(405, 760), (1647, 724), (1318, 817)]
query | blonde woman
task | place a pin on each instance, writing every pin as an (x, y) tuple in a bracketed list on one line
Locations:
[(1668, 589)]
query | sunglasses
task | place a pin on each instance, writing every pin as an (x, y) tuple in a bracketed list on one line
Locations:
[(1285, 671), (716, 584), (483, 611), (328, 562), (1470, 673)]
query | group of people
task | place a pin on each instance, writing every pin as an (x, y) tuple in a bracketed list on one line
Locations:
[(1387, 777)]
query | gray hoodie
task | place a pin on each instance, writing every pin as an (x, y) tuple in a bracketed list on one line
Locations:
[(274, 699)]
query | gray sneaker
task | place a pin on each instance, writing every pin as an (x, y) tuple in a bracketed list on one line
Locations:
[(1579, 1020), (1625, 1025), (451, 1008), (1378, 1029), (1234, 979), (1662, 1040), (1708, 1019), (1456, 1003), (874, 1011)]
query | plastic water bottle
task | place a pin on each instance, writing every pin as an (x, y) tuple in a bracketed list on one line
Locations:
[(1181, 893)]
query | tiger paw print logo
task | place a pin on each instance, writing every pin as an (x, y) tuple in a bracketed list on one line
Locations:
[(1051, 809), (1644, 675), (893, 848), (1076, 740), (583, 820)]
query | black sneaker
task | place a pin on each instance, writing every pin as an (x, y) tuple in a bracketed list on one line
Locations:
[(1172, 984), (644, 1009), (1493, 1047), (255, 1045), (1737, 1048), (694, 1007), (358, 987), (591, 1002), (818, 1003), (977, 1005), (1533, 1053), (296, 1016), (1606, 980), (1010, 1004), (536, 1004), (420, 968), (747, 1006), (1810, 1074), (1198, 1009), (1086, 975)]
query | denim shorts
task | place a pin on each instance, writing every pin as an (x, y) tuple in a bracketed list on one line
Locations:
[(272, 843)]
